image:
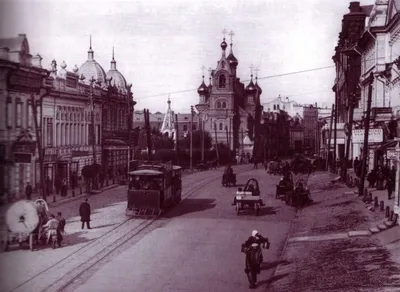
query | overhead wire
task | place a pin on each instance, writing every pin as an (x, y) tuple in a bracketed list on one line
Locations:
[(265, 77)]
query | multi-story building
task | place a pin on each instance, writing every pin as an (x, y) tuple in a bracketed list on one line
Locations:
[(226, 105), (290, 106), (156, 120), (275, 134), (24, 82), (310, 126)]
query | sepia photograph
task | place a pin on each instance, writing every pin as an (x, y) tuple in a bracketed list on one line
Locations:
[(199, 145)]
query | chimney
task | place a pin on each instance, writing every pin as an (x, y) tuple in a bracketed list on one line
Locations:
[(37, 61), (4, 53), (355, 7)]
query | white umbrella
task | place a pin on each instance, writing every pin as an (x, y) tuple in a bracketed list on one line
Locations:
[(22, 217)]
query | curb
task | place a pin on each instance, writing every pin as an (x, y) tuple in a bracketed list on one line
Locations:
[(76, 197)]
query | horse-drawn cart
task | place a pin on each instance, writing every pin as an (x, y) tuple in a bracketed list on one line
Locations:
[(285, 186), (249, 197), (274, 168), (23, 224), (300, 195)]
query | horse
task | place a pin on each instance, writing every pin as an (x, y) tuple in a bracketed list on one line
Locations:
[(252, 264)]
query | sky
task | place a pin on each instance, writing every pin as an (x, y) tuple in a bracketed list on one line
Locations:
[(161, 45)]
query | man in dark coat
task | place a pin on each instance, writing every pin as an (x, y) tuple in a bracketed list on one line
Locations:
[(28, 191), (84, 212)]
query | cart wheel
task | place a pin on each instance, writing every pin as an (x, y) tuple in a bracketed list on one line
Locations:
[(237, 209), (31, 242)]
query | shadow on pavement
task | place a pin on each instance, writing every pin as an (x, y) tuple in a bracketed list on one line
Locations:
[(191, 206), (264, 211), (272, 280), (75, 238), (270, 265)]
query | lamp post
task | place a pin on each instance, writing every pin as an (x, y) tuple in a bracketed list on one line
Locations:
[(93, 136)]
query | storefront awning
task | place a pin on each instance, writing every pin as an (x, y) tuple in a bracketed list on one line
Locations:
[(114, 142), (386, 145)]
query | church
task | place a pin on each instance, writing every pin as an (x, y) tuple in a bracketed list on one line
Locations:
[(228, 109)]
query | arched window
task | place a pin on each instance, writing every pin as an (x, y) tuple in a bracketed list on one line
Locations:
[(274, 107), (220, 126), (219, 104), (222, 81)]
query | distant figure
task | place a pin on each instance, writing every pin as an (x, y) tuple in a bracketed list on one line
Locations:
[(28, 191), (61, 228), (390, 187), (84, 212)]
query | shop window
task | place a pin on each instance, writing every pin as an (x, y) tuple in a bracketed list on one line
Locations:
[(49, 132), (18, 114), (9, 113)]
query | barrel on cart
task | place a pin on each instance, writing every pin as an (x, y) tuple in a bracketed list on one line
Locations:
[(153, 188)]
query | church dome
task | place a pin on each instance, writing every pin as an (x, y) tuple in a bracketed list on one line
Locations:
[(203, 89), (258, 88), (93, 69), (117, 78), (232, 60), (251, 88), (224, 45)]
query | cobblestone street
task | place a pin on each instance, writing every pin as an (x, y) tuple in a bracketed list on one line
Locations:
[(321, 256)]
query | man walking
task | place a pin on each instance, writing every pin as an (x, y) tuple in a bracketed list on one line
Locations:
[(84, 212), (390, 188), (61, 227), (28, 191)]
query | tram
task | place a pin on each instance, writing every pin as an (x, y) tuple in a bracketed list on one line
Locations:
[(153, 188)]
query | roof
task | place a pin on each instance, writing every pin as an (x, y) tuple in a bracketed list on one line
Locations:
[(368, 8), (13, 44), (148, 172)]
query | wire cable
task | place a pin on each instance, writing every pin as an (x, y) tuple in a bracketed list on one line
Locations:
[(266, 77)]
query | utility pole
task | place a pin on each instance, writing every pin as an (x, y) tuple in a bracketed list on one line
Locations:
[(335, 131), (366, 133), (148, 133), (93, 134), (38, 131), (330, 136), (177, 138), (202, 138), (216, 142), (191, 137), (349, 133)]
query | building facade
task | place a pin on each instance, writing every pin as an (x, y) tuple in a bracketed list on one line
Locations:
[(228, 108), (23, 83)]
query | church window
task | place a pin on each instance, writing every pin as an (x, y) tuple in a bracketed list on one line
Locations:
[(224, 104), (222, 81), (219, 105), (274, 107), (220, 126)]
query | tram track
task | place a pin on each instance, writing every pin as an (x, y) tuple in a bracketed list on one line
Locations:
[(66, 271)]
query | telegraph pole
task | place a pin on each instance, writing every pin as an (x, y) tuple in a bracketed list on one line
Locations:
[(216, 142), (366, 132), (330, 136), (177, 138), (148, 133), (349, 134), (93, 135), (335, 131), (191, 137)]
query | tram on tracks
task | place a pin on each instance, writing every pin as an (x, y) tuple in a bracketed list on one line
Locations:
[(153, 188)]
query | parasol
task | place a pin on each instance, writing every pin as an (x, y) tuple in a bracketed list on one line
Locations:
[(22, 217)]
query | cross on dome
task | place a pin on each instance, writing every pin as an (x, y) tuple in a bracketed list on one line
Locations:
[(251, 70), (202, 69), (224, 32), (231, 34), (256, 70)]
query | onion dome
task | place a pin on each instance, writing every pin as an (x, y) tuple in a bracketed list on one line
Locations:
[(233, 62), (251, 88), (117, 78), (258, 87), (203, 89), (224, 45), (91, 68), (76, 69)]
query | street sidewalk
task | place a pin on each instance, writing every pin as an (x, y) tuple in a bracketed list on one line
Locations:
[(330, 247)]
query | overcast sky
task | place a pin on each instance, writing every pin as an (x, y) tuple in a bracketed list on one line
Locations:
[(160, 46)]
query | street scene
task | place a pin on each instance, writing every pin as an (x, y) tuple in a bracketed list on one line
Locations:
[(225, 147)]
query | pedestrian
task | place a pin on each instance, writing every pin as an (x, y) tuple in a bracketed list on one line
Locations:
[(390, 188), (61, 228), (84, 212), (28, 191)]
